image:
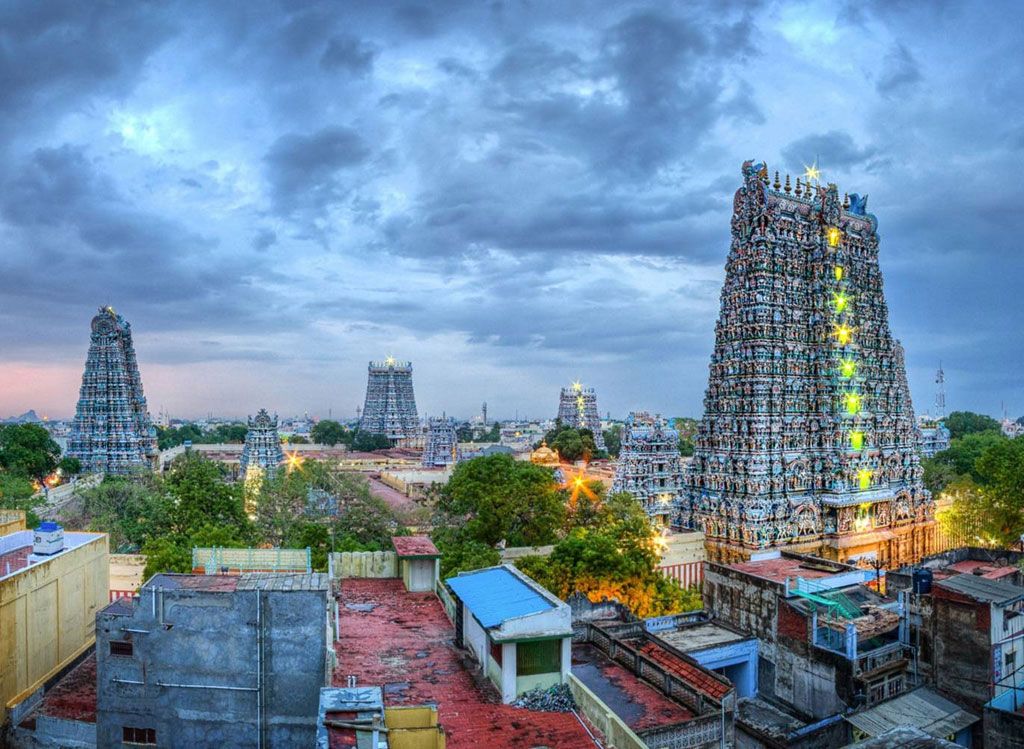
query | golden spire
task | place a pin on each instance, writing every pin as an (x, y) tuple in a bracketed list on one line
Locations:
[(777, 184), (787, 188), (799, 189)]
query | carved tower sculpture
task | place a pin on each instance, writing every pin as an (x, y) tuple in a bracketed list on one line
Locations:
[(390, 407), (808, 440), (577, 408), (262, 453), (112, 431), (649, 466), (442, 447)]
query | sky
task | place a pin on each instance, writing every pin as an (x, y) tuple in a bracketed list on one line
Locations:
[(512, 195)]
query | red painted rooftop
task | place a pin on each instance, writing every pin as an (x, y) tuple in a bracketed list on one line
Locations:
[(404, 643), (415, 546), (779, 569), (71, 698), (692, 675), (970, 566)]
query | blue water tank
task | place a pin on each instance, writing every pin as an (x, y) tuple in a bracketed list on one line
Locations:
[(922, 581)]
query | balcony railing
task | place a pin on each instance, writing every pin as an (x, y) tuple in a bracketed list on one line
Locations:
[(879, 657)]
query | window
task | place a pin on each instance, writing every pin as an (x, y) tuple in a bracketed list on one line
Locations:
[(541, 657), (1011, 659), (120, 647), (138, 736), (496, 652)]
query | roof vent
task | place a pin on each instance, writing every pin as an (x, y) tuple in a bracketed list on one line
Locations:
[(48, 539)]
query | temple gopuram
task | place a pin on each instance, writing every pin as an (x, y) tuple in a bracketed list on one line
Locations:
[(808, 440), (390, 406), (112, 431), (442, 447), (577, 408), (649, 466), (262, 453)]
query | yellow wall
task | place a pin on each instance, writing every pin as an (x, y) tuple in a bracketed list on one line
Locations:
[(413, 728), (126, 571), (48, 617), (11, 521)]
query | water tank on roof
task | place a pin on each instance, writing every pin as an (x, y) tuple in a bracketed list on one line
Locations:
[(922, 581), (48, 539)]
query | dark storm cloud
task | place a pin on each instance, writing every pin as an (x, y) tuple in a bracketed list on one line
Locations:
[(835, 148), (900, 72), (349, 54)]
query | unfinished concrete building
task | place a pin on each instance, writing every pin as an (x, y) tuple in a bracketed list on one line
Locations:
[(214, 660)]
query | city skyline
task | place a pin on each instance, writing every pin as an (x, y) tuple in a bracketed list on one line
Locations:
[(508, 198)]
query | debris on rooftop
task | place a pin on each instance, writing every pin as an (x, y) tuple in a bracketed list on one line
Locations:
[(556, 699)]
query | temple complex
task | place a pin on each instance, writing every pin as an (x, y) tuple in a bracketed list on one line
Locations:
[(808, 440), (390, 407), (649, 466), (577, 408), (442, 447), (112, 431), (262, 453)]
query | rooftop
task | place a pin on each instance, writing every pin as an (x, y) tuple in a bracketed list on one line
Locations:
[(16, 550), (497, 594), (921, 708), (767, 718), (73, 697), (404, 642), (983, 589), (778, 568), (689, 639), (271, 581), (904, 737), (414, 546), (695, 676), (639, 705)]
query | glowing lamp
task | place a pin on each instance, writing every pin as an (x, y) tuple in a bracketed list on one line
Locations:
[(856, 440), (847, 368), (844, 334), (833, 235), (840, 301), (864, 478), (838, 271), (852, 401)]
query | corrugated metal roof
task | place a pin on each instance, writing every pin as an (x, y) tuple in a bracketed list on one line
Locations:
[(495, 595), (983, 589), (922, 708)]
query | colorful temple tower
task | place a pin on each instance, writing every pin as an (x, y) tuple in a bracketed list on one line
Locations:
[(808, 440), (390, 407), (442, 447), (649, 466), (262, 453), (577, 408), (112, 431)]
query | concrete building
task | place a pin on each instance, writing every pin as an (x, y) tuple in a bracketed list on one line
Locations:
[(52, 583), (214, 660), (520, 634), (1004, 719), (419, 562), (828, 643)]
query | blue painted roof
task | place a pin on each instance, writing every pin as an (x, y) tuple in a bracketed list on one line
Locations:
[(495, 595)]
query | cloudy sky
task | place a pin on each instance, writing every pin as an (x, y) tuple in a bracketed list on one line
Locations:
[(510, 194)]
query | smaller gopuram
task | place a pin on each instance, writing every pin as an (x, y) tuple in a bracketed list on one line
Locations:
[(390, 406), (577, 408), (262, 454), (649, 466), (442, 447)]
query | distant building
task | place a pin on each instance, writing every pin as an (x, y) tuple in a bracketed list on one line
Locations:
[(935, 437), (262, 453), (520, 634), (52, 583), (112, 431), (214, 660), (390, 406), (577, 408), (442, 447), (649, 466)]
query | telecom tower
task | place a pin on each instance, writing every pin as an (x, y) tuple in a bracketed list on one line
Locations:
[(940, 394)]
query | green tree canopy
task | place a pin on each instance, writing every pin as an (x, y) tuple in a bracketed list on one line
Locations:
[(327, 432), (989, 501), (963, 452), (613, 440), (496, 497), (366, 442), (962, 423), (28, 450)]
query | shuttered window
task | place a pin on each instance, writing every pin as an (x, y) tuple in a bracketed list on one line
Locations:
[(541, 657)]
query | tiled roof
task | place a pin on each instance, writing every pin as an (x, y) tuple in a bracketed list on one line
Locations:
[(695, 676), (414, 546), (404, 642), (496, 594)]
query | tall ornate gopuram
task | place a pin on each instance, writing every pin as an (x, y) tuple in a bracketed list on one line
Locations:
[(112, 431), (262, 453), (442, 447), (649, 466), (808, 440), (577, 408), (390, 407)]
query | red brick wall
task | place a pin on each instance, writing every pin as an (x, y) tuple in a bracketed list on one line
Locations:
[(791, 623)]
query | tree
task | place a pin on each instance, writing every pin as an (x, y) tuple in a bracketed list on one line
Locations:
[(132, 510), (462, 554), (366, 442), (613, 440), (991, 508), (963, 452), (937, 474), (28, 450), (69, 466), (498, 498), (164, 555), (962, 423), (328, 432), (572, 444), (202, 496), (18, 493), (686, 446)]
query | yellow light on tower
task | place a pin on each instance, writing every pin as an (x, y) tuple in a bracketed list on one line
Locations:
[(847, 368), (844, 334), (577, 386), (857, 440), (852, 402), (834, 235), (840, 301), (838, 271), (390, 360), (812, 172), (293, 461), (864, 478)]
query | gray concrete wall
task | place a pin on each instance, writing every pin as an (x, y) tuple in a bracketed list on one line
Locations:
[(1002, 729), (211, 639)]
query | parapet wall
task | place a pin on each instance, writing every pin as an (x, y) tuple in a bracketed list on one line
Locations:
[(375, 564)]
